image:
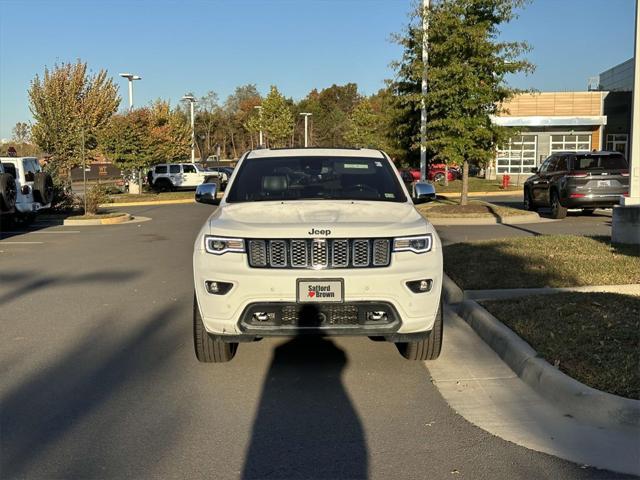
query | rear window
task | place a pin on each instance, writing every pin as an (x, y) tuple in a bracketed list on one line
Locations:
[(599, 162), (161, 169)]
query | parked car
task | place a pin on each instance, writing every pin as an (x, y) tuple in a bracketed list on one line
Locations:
[(34, 188), (225, 174), (437, 173), (174, 176), (586, 181), (316, 241), (8, 193)]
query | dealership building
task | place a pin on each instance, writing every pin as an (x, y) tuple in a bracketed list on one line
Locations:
[(548, 122)]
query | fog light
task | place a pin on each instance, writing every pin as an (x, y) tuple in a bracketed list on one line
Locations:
[(420, 286), (264, 316), (377, 316), (217, 288)]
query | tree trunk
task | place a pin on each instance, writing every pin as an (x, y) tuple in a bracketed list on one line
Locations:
[(465, 183), (446, 174), (233, 146)]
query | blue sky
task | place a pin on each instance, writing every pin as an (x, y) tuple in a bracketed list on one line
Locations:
[(179, 46)]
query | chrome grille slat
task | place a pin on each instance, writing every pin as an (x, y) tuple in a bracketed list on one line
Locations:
[(319, 253), (299, 254), (278, 253), (360, 253), (319, 257), (339, 253)]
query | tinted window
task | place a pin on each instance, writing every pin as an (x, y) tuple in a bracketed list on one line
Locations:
[(10, 169), (174, 168), (308, 178), (599, 162), (547, 166), (161, 169), (562, 165), (188, 169)]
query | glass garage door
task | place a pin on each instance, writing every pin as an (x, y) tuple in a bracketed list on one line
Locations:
[(572, 143), (518, 155)]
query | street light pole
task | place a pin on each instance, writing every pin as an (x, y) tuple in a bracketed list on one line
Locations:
[(423, 106), (131, 77), (306, 116), (259, 107), (192, 100)]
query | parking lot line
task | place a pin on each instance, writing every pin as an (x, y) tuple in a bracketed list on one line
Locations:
[(40, 231), (2, 242)]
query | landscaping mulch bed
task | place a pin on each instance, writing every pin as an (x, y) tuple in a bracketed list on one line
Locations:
[(592, 337), (151, 196), (443, 208), (541, 261)]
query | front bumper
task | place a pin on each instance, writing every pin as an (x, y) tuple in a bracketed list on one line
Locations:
[(413, 313)]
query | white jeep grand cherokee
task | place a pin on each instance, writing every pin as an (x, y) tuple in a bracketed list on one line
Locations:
[(316, 241)]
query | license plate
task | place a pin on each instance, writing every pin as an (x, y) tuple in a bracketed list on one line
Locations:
[(604, 183), (320, 291)]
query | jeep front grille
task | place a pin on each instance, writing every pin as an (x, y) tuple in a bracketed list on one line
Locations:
[(320, 253)]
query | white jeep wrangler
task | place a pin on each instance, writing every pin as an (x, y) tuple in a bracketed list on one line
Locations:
[(34, 188), (316, 241), (8, 192), (173, 176)]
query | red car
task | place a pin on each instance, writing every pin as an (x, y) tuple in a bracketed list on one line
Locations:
[(434, 174)]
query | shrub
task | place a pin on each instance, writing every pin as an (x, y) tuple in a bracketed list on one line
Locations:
[(96, 195)]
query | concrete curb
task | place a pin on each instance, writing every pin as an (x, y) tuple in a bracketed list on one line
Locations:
[(499, 193), (530, 217), (125, 217), (499, 294), (150, 202), (451, 292)]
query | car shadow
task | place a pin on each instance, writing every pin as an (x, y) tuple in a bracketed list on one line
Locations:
[(306, 426)]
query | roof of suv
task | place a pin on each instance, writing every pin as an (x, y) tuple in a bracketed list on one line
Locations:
[(315, 152), (596, 152)]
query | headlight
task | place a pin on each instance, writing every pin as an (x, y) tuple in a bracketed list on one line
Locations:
[(417, 244), (220, 245)]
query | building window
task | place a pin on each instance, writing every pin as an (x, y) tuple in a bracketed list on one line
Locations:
[(618, 143), (573, 143), (518, 155)]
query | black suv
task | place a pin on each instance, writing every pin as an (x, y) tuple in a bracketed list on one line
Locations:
[(584, 180)]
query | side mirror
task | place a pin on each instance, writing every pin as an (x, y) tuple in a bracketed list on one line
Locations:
[(206, 193), (423, 192), (534, 170)]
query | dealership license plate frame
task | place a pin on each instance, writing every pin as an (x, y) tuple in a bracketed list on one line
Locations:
[(304, 283)]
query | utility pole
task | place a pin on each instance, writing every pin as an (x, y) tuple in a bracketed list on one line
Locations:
[(423, 112), (259, 108), (306, 116), (192, 100)]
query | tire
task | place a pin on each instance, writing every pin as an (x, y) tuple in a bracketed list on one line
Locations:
[(43, 188), (162, 185), (429, 348), (209, 348), (439, 178), (528, 202), (8, 192), (557, 210)]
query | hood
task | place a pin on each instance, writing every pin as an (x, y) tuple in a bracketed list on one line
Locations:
[(324, 218)]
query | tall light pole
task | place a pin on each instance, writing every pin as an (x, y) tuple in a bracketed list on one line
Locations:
[(131, 77), (192, 101), (259, 107), (306, 116), (423, 106)]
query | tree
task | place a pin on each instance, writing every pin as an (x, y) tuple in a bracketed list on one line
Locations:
[(22, 132), (238, 108), (69, 104), (277, 119), (169, 135), (126, 140), (466, 74)]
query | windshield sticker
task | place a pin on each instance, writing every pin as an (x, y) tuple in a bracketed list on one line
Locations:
[(362, 166), (378, 164), (389, 195)]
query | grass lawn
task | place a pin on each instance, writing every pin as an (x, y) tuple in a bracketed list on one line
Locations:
[(151, 196), (443, 208), (541, 261), (476, 185), (592, 337)]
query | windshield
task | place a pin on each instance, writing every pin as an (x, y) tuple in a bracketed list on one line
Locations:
[(313, 178), (600, 162)]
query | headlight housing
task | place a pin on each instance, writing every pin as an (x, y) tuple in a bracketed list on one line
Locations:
[(415, 244), (220, 245)]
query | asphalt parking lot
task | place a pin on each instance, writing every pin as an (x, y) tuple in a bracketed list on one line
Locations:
[(100, 379)]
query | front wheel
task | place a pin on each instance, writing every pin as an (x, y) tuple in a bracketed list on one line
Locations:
[(428, 348), (529, 204), (209, 348)]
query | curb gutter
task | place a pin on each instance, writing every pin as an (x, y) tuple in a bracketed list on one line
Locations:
[(569, 395)]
